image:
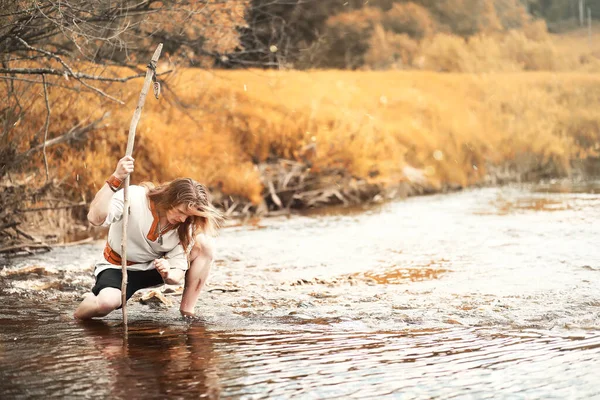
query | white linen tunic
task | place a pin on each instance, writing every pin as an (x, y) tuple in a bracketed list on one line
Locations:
[(143, 246)]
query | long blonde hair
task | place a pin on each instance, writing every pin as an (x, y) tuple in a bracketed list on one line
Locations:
[(186, 191)]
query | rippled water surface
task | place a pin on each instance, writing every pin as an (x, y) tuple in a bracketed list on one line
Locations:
[(489, 293)]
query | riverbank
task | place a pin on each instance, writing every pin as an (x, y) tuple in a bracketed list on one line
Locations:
[(48, 229), (275, 142), (238, 130)]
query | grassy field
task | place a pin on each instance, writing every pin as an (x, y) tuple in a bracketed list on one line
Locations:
[(223, 124)]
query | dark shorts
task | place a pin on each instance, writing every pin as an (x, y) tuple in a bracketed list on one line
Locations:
[(136, 280)]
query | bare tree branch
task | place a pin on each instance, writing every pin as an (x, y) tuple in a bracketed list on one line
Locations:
[(76, 133), (53, 43), (68, 69), (13, 78), (77, 75)]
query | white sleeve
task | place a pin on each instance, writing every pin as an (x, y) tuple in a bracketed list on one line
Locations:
[(177, 258), (115, 210)]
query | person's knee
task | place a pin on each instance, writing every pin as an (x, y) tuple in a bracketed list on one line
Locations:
[(108, 300), (106, 306)]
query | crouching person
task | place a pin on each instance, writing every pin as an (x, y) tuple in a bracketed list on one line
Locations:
[(168, 240)]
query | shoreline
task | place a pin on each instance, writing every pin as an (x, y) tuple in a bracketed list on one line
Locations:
[(356, 192), (296, 141), (41, 232)]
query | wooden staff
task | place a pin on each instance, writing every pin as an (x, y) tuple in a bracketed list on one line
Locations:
[(150, 77)]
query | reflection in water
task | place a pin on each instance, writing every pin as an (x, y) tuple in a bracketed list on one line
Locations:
[(48, 358), (503, 206), (163, 360), (489, 292), (397, 275), (414, 364), (402, 275), (43, 358)]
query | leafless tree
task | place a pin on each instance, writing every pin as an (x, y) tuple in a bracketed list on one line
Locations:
[(73, 45)]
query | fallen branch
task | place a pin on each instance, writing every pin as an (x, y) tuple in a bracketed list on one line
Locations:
[(20, 232), (274, 196), (9, 225), (231, 208), (29, 270), (24, 247), (76, 243), (75, 133)]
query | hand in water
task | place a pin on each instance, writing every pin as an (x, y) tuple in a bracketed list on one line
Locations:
[(187, 315), (191, 317)]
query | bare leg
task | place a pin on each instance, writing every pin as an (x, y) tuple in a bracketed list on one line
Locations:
[(201, 258), (92, 306)]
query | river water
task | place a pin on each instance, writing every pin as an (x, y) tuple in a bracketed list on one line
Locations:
[(485, 293)]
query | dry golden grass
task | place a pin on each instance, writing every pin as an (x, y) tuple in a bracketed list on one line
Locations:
[(369, 123), (579, 44), (532, 49)]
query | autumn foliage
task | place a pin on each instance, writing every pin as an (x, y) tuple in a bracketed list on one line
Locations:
[(451, 127), (449, 90)]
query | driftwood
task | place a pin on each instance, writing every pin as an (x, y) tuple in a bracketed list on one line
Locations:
[(9, 225), (77, 133), (150, 76), (76, 243), (25, 248), (30, 247), (17, 242), (14, 196), (292, 185), (157, 295), (29, 270)]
